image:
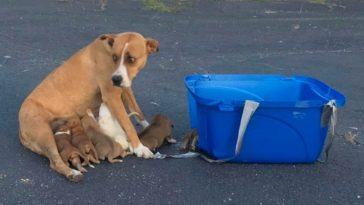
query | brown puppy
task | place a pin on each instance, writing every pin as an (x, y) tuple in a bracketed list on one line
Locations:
[(160, 130), (105, 146), (91, 76), (190, 141), (67, 151), (82, 141)]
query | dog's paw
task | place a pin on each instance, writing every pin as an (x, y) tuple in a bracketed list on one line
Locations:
[(143, 151), (75, 176)]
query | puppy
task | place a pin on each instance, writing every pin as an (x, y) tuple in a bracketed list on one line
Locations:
[(105, 146), (68, 152), (82, 141), (160, 130), (190, 141)]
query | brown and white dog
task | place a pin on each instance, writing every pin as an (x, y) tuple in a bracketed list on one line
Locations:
[(100, 72)]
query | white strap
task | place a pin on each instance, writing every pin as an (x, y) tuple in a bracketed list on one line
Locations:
[(249, 108)]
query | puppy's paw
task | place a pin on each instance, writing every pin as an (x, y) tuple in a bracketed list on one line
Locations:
[(83, 170), (75, 176), (143, 151), (94, 160)]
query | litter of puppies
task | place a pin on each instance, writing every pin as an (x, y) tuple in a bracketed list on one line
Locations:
[(87, 139), (106, 147), (68, 152)]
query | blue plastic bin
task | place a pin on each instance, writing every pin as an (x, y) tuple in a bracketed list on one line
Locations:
[(286, 127)]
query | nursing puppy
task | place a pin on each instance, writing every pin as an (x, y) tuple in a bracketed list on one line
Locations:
[(82, 141), (159, 131), (67, 151), (102, 71), (105, 146)]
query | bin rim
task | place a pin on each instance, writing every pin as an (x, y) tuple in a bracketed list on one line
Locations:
[(316, 85)]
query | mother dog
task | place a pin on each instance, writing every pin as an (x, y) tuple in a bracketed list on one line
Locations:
[(100, 72)]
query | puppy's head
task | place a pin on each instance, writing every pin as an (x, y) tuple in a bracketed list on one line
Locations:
[(167, 125), (59, 125), (128, 53), (164, 121), (74, 124)]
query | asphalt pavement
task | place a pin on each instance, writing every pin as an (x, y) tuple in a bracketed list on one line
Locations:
[(324, 40)]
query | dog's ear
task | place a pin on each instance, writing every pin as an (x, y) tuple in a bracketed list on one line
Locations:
[(108, 38), (152, 45)]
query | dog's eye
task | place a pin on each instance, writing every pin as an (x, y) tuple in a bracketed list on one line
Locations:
[(130, 59), (114, 58), (172, 126)]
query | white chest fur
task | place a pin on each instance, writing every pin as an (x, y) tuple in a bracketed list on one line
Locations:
[(110, 126)]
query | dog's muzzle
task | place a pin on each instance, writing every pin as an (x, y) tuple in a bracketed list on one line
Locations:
[(117, 80)]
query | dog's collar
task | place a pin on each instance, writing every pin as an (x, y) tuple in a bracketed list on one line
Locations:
[(63, 132)]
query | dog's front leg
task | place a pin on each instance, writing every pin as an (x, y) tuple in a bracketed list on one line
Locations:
[(112, 98), (131, 103)]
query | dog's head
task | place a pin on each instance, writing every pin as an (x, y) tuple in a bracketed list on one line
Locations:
[(128, 53)]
